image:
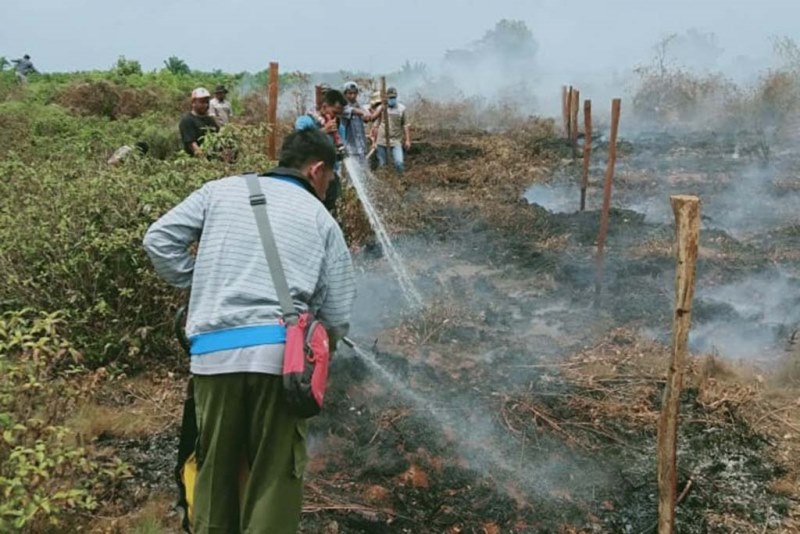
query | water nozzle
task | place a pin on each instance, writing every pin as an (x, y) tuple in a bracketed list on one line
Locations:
[(349, 342)]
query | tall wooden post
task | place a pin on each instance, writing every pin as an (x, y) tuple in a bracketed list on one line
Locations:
[(385, 115), (587, 149), (569, 113), (616, 105), (318, 97), (574, 108), (272, 112), (687, 231), (565, 110)]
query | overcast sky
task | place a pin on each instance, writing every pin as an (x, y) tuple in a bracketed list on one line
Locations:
[(373, 35)]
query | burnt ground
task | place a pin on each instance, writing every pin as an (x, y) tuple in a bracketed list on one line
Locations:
[(516, 401)]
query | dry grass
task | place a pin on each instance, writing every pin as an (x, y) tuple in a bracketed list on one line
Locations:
[(652, 248), (107, 99), (156, 516), (625, 368), (129, 408), (622, 373)]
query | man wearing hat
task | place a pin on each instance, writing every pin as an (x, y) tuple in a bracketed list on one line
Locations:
[(197, 123), (399, 132), (353, 119), (220, 108), (23, 67)]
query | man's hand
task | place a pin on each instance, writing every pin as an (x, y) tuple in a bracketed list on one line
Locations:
[(407, 144), (330, 127)]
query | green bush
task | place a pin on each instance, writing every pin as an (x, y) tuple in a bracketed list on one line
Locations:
[(46, 477), (71, 226), (74, 244), (127, 67)]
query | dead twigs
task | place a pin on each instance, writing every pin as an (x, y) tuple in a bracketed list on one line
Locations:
[(542, 416)]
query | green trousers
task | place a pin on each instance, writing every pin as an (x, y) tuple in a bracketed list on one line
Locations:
[(251, 453)]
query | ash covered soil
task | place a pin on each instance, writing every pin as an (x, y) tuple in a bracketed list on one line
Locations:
[(516, 401)]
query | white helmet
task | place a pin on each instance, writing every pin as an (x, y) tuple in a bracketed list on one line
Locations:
[(200, 92)]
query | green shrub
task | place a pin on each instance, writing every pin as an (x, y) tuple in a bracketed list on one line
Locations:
[(71, 227), (46, 477), (81, 252), (127, 67)]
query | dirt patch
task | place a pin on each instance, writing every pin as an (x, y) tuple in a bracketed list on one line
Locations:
[(425, 153)]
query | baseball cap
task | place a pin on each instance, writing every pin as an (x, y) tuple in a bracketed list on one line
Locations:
[(391, 91), (350, 86), (200, 92)]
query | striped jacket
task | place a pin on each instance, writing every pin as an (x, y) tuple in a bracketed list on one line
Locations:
[(229, 277)]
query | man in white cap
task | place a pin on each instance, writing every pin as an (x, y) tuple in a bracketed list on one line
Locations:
[(353, 119), (195, 125)]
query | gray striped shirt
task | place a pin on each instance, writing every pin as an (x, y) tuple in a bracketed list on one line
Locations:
[(230, 280)]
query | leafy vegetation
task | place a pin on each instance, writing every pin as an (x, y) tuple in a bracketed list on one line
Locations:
[(176, 66), (71, 225), (127, 67), (79, 301), (46, 475)]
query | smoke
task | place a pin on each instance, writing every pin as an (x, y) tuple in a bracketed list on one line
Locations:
[(687, 79), (555, 198), (499, 66), (757, 315), (741, 202)]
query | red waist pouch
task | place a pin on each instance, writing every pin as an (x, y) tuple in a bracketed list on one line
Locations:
[(305, 366)]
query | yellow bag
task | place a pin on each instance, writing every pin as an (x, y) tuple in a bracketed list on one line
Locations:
[(186, 470)]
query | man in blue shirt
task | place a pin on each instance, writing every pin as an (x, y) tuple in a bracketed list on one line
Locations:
[(353, 119), (326, 119)]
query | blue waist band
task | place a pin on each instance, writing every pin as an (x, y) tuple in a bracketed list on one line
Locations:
[(237, 338)]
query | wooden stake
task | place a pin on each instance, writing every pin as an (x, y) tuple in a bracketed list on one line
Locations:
[(565, 109), (616, 105), (574, 108), (587, 149), (569, 113), (318, 97), (385, 115), (272, 113), (687, 231)]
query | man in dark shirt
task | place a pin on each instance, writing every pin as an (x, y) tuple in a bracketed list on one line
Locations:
[(194, 125)]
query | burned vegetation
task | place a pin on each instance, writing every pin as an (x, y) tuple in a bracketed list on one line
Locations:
[(517, 402)]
